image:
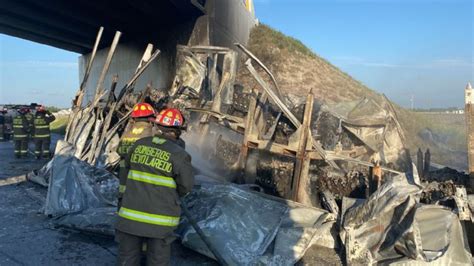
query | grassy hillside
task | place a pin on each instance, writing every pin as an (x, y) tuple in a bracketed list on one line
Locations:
[(298, 70), (443, 134), (59, 125)]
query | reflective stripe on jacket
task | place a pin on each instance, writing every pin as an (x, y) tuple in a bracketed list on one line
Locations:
[(29, 117), (158, 180), (41, 126), (20, 127), (149, 218), (140, 129), (158, 171), (2, 125)]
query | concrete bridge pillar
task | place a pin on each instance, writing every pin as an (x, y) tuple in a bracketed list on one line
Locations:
[(469, 114)]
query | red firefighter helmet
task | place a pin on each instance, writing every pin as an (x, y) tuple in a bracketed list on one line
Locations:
[(170, 117), (24, 110), (41, 109), (142, 110)]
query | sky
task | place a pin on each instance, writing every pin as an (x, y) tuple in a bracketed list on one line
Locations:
[(420, 49), (32, 72), (402, 48)]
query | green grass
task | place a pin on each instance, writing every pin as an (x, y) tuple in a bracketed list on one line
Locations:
[(264, 35), (53, 109), (59, 125), (275, 49), (452, 126)]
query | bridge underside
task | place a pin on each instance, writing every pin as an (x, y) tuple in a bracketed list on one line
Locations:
[(72, 25)]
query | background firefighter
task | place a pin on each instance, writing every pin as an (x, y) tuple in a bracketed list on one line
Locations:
[(140, 128), (159, 172), (8, 125), (30, 119), (21, 129), (41, 132), (2, 124)]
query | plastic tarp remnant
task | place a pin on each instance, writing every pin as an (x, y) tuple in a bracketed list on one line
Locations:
[(43, 175), (75, 186), (80, 196), (240, 224), (94, 220), (302, 228), (248, 228)]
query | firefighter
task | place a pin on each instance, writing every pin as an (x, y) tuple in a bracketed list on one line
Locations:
[(8, 126), (141, 127), (30, 118), (159, 172), (2, 123), (41, 132), (21, 130)]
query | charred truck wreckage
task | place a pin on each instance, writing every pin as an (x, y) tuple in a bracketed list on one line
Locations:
[(277, 175)]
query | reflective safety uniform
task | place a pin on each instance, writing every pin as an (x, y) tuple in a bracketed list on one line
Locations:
[(30, 118), (42, 133), (140, 129), (2, 126), (21, 130), (7, 127), (159, 172)]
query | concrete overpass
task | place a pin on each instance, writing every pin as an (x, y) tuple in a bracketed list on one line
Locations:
[(73, 25)]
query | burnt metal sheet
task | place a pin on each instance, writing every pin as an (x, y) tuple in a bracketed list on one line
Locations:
[(382, 226), (442, 238), (240, 224), (392, 227), (250, 228)]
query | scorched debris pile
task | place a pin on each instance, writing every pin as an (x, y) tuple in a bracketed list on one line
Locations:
[(278, 175)]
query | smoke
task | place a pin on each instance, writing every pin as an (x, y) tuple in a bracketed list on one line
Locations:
[(202, 148)]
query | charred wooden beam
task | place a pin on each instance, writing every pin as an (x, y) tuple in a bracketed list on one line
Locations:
[(301, 172), (254, 58), (204, 49), (77, 102), (107, 63), (285, 109), (80, 95), (249, 124)]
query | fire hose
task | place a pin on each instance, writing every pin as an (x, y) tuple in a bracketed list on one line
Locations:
[(201, 234)]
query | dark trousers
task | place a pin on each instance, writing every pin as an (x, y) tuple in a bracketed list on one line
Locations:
[(130, 250), (42, 147), (21, 147)]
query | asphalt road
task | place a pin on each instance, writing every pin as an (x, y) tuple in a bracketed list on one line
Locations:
[(27, 237)]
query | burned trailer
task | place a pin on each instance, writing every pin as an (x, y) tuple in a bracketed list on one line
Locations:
[(347, 158), (213, 114), (292, 147), (366, 130)]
